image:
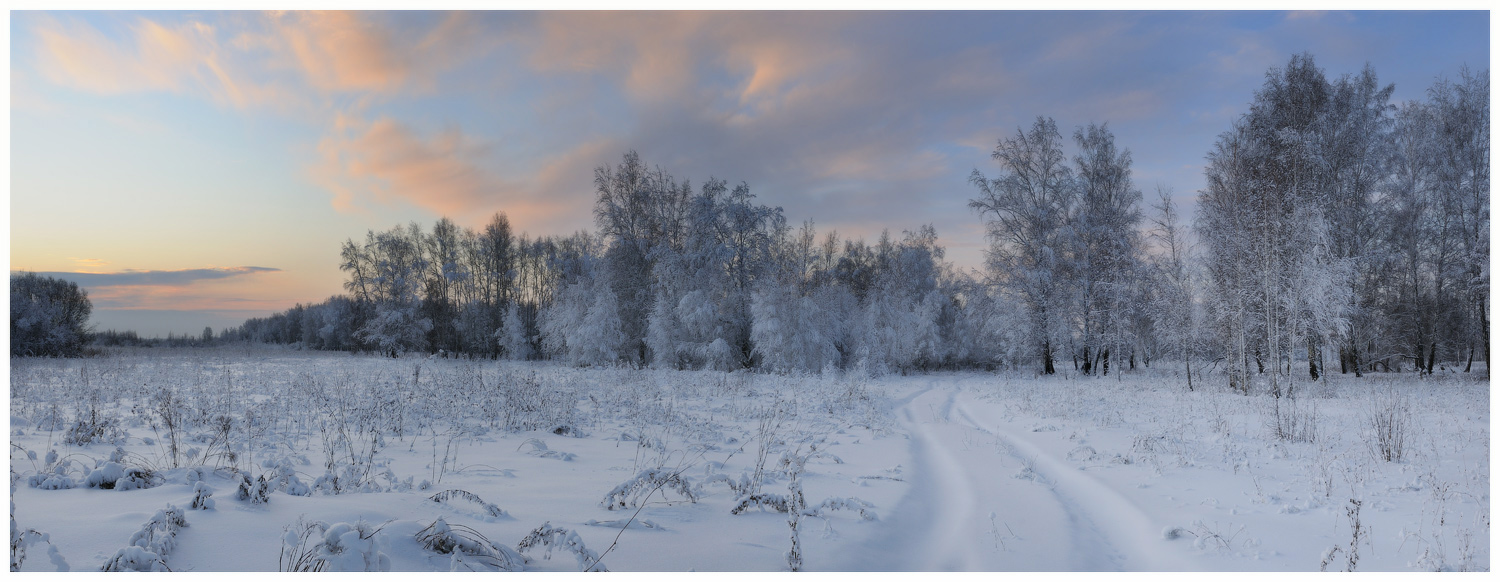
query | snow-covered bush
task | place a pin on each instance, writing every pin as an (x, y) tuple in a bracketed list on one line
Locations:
[(354, 548), (550, 537), (1388, 417), (257, 492), (468, 548), (489, 508), (90, 427), (284, 478), (525, 403), (113, 475), (54, 474), (148, 547), (636, 490), (202, 496), (340, 547), (1291, 419), (20, 539)]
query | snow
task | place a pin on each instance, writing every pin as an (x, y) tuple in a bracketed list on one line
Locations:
[(967, 471)]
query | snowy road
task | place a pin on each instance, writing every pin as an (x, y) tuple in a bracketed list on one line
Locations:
[(984, 498)]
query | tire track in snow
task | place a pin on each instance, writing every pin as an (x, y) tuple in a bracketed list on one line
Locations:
[(929, 530), (1109, 532)]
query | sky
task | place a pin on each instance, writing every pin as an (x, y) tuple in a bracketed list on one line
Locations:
[(193, 169)]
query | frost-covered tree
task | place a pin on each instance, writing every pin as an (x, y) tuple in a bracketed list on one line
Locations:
[(398, 324), (638, 211), (1461, 176), (1262, 218), (1104, 248), (48, 317), (796, 332), (1351, 143), (513, 337), (1173, 302), (598, 340), (1026, 210)]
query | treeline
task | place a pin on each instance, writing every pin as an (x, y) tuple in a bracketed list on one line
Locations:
[(1335, 226), (129, 338), (676, 277)]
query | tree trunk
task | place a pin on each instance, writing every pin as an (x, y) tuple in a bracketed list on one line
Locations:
[(1312, 357)]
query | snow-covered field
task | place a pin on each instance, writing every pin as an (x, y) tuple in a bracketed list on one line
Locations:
[(541, 467)]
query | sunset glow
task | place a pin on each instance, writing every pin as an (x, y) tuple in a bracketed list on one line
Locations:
[(191, 169)]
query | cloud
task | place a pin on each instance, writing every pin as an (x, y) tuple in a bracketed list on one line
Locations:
[(181, 57), (152, 58), (242, 61), (134, 278), (339, 51), (91, 264), (388, 161)]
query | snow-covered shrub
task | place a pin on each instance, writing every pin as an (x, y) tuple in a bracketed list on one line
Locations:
[(489, 508), (1293, 420), (148, 547), (113, 475), (340, 547), (740, 487), (555, 537), (855, 504), (539, 449), (257, 492), (1388, 417), (526, 404), (354, 548), (53, 475), (468, 548), (90, 427), (20, 539), (1351, 554), (202, 496), (636, 490), (54, 479), (284, 477), (772, 501)]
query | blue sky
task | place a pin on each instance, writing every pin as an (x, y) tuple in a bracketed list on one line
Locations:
[(230, 153)]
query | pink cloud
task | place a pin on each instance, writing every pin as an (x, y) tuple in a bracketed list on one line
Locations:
[(657, 55), (390, 162), (178, 58), (242, 64)]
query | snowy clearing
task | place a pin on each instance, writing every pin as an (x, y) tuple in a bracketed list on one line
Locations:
[(245, 460)]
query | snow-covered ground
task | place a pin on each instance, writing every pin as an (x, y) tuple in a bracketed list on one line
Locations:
[(947, 471)]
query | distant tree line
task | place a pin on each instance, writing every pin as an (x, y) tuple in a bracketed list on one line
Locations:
[(1335, 226), (128, 338)]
